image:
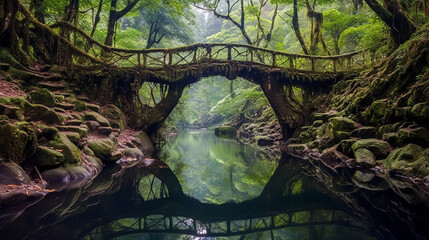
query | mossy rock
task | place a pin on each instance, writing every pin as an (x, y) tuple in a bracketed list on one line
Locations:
[(102, 148), (114, 115), (340, 135), (82, 131), (88, 151), (11, 111), (379, 147), (93, 116), (47, 157), (365, 157), (325, 116), (46, 131), (226, 132), (80, 106), (264, 141), (418, 136), (94, 107), (378, 108), (12, 142), (3, 117), (43, 96), (74, 137), (342, 124), (37, 112), (68, 149), (410, 160), (345, 146), (421, 111)]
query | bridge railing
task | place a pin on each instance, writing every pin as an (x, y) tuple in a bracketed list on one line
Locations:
[(206, 53), (202, 53)]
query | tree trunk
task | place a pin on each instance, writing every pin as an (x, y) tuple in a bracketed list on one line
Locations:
[(97, 18), (396, 18), (8, 24), (296, 29)]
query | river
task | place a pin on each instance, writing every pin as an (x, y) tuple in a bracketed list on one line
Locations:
[(205, 187)]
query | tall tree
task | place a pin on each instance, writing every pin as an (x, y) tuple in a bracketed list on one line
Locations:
[(114, 16)]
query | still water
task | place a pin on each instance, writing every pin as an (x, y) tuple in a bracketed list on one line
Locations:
[(211, 188)]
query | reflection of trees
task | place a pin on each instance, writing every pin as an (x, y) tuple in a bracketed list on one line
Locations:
[(217, 170)]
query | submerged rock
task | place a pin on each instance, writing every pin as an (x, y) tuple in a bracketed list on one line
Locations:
[(133, 153)]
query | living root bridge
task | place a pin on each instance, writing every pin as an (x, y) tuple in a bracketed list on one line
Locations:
[(120, 73)]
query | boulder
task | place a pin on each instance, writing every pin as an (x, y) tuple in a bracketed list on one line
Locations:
[(115, 116), (102, 148), (68, 149), (11, 111), (419, 135), (12, 173), (345, 146), (12, 142), (92, 125), (410, 160), (378, 108), (93, 116), (342, 124), (365, 157), (226, 132), (378, 147), (43, 96), (79, 106), (142, 141), (82, 131), (73, 137), (93, 107), (37, 112), (133, 154), (56, 175), (47, 157)]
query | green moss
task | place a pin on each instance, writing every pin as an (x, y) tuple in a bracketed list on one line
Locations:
[(44, 97), (12, 142), (68, 149), (115, 116), (342, 124), (37, 112), (102, 148), (409, 160), (47, 157), (80, 106), (379, 147)]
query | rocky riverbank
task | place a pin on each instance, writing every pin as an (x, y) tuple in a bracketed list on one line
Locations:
[(50, 136), (378, 121)]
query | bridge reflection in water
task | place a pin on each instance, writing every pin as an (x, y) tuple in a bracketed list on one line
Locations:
[(143, 201)]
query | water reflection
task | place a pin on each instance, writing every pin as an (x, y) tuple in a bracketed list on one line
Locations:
[(301, 200), (215, 170)]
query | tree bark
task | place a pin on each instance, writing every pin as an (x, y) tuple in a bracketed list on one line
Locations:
[(395, 17), (97, 18), (8, 24), (114, 16), (296, 29)]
